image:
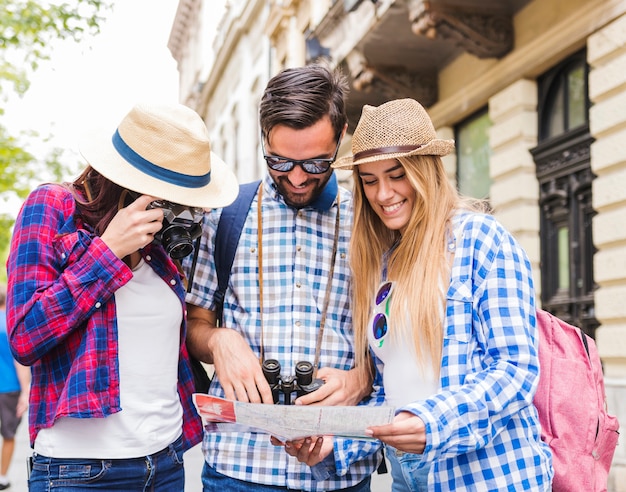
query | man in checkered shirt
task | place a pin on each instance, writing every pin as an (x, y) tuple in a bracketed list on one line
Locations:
[(290, 276)]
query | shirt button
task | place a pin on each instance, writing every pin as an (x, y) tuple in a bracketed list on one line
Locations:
[(297, 323), (252, 250), (173, 282), (298, 285), (298, 248), (63, 255), (343, 256), (148, 257), (98, 305)]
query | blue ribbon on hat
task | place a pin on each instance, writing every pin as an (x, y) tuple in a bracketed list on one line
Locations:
[(155, 171)]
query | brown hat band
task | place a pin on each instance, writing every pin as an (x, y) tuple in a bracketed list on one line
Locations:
[(384, 150)]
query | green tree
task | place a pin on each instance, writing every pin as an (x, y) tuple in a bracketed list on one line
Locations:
[(29, 30)]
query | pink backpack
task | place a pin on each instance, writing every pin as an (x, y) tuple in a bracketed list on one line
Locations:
[(572, 407)]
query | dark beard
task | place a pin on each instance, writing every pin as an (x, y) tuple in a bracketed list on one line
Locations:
[(298, 201)]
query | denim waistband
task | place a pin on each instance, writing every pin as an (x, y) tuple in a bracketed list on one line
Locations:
[(169, 448)]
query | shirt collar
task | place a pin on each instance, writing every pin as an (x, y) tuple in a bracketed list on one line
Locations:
[(322, 203)]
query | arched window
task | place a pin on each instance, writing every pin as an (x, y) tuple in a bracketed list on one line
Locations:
[(562, 159), (565, 102)]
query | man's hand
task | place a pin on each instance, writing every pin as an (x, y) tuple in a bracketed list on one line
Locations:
[(345, 388), (238, 368), (311, 450), (407, 433)]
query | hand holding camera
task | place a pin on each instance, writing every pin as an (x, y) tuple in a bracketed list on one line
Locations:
[(300, 384), (147, 219), (132, 227)]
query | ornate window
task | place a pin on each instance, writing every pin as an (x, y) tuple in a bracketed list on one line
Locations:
[(562, 160)]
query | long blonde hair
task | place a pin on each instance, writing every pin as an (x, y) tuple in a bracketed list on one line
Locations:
[(419, 264)]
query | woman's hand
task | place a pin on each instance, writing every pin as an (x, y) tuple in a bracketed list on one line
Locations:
[(407, 433), (133, 227)]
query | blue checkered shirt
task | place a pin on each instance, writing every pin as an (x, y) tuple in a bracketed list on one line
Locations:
[(482, 430), (297, 248)]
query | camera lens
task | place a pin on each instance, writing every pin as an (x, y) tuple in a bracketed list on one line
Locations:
[(271, 370), (177, 242), (304, 373)]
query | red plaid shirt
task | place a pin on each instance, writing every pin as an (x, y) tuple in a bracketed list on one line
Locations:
[(61, 315)]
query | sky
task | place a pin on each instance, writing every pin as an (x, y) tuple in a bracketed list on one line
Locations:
[(95, 84)]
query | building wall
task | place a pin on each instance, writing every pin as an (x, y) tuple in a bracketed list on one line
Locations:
[(224, 75), (514, 192), (606, 54)]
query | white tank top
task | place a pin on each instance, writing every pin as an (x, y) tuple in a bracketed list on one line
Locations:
[(404, 379), (148, 318)]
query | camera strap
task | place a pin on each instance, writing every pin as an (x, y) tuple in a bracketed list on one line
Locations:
[(320, 333), (194, 261)]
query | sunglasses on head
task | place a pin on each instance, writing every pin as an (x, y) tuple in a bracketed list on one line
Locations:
[(380, 317), (311, 166)]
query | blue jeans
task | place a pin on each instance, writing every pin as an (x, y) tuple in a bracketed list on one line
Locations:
[(404, 473), (213, 481), (159, 472)]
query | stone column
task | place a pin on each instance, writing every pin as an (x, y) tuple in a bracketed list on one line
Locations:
[(606, 55), (515, 190)]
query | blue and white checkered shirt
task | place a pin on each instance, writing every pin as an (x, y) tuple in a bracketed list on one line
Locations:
[(482, 430), (297, 249)]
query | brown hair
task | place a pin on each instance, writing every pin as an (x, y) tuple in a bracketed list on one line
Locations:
[(98, 199), (300, 97)]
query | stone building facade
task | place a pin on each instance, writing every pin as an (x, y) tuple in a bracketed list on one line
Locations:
[(533, 91)]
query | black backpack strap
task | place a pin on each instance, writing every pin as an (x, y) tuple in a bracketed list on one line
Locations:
[(227, 238)]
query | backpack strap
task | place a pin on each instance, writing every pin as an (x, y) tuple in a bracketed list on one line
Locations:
[(227, 238)]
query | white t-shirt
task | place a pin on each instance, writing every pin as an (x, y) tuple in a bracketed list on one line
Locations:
[(149, 315)]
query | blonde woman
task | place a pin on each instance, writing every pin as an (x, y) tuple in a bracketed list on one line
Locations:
[(443, 301)]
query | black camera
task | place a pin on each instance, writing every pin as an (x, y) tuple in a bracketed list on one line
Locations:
[(181, 226), (300, 384)]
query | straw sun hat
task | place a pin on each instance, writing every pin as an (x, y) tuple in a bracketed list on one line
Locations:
[(398, 128), (162, 150)]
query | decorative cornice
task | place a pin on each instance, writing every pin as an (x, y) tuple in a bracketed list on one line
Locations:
[(563, 155), (186, 13), (396, 83), (483, 34), (278, 19), (564, 161)]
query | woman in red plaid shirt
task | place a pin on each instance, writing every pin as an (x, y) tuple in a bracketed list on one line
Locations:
[(96, 304)]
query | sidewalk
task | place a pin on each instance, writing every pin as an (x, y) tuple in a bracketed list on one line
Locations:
[(193, 466), (17, 471)]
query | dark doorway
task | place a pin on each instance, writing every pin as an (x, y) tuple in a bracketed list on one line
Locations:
[(562, 159)]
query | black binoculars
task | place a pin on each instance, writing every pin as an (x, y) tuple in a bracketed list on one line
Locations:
[(300, 384)]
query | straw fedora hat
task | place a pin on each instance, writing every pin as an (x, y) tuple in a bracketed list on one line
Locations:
[(397, 128), (162, 150)]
